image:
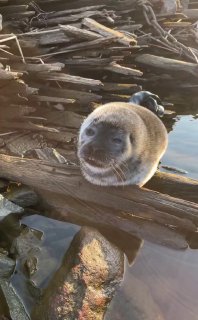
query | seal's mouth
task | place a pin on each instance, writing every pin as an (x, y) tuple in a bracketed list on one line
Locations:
[(94, 162)]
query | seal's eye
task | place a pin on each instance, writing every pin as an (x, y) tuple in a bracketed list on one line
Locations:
[(117, 140), (90, 132)]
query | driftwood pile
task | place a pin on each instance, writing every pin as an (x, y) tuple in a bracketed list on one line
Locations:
[(59, 60)]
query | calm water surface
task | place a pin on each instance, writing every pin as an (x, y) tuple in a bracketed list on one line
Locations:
[(183, 145)]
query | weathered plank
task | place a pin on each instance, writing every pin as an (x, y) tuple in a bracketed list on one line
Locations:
[(167, 64), (107, 32)]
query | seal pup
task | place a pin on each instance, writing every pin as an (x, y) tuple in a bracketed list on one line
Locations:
[(121, 144)]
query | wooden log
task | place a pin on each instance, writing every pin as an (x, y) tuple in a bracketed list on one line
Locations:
[(167, 64), (88, 62), (53, 38), (107, 32), (41, 67), (78, 33), (13, 8), (124, 88), (131, 201), (8, 75), (63, 77), (174, 185), (84, 98), (19, 15), (73, 11), (52, 99), (114, 67), (180, 24), (62, 208)]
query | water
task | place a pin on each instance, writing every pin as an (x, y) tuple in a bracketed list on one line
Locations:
[(183, 145), (162, 283)]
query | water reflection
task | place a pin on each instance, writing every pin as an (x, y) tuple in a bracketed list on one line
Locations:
[(170, 281), (183, 145)]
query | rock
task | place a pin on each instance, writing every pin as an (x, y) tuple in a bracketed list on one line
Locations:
[(7, 207), (86, 282), (134, 301), (16, 307), (27, 247), (38, 260), (7, 266), (3, 184), (10, 228), (22, 196)]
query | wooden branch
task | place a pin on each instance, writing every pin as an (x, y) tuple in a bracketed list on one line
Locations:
[(167, 64), (107, 32), (41, 67), (53, 38), (78, 33), (63, 77), (8, 75), (52, 99), (82, 97), (73, 11), (13, 8), (89, 62), (131, 201), (127, 88), (114, 67)]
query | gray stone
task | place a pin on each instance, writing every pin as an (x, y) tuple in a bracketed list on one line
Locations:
[(16, 308), (27, 248), (7, 207), (3, 183), (7, 266), (22, 196)]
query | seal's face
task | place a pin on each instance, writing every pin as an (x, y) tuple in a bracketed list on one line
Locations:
[(102, 144)]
